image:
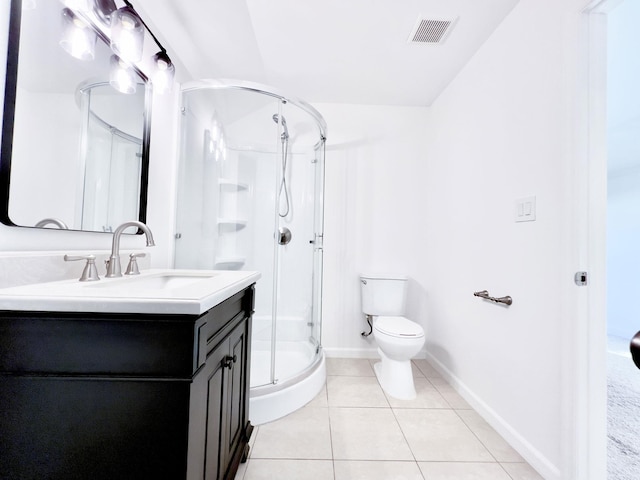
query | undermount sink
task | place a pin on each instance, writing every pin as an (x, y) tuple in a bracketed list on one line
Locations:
[(159, 291), (155, 282)]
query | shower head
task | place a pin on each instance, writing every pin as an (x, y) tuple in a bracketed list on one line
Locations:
[(280, 119)]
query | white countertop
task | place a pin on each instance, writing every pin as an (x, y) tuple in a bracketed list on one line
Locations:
[(155, 291)]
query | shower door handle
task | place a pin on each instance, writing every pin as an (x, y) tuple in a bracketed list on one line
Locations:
[(317, 241), (635, 349)]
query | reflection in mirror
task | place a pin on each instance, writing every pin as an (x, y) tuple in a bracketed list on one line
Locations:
[(77, 157)]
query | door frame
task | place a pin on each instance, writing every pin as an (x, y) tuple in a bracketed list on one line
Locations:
[(590, 336)]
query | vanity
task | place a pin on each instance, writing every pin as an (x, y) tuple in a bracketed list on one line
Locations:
[(143, 377)]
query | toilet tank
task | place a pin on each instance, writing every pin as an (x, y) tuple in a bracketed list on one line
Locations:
[(383, 294)]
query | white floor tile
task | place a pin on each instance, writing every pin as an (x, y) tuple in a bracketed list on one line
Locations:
[(302, 434), (462, 471), (353, 431), (367, 434), (426, 368), (355, 392), (254, 435), (440, 435), (499, 448), (417, 373), (521, 471), (376, 470), (452, 397), (289, 470), (241, 471), (426, 397), (353, 367), (320, 400)]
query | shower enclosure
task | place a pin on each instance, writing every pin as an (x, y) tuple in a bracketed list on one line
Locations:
[(111, 149), (250, 197)]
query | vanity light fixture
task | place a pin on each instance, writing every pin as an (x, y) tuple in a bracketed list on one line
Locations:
[(163, 72), (77, 5), (124, 30), (78, 37), (103, 10), (122, 77), (127, 34)]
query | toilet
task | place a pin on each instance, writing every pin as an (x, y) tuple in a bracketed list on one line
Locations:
[(397, 337)]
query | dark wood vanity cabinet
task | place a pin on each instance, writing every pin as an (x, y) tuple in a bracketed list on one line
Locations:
[(125, 396)]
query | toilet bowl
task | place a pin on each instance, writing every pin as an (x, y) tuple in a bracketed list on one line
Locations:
[(398, 338)]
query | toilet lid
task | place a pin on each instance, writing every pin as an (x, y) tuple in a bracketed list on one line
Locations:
[(398, 327)]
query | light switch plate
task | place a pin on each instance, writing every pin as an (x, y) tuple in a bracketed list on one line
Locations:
[(525, 209)]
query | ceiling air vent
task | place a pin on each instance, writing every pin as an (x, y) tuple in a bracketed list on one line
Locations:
[(431, 31)]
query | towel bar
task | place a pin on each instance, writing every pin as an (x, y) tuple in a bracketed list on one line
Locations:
[(484, 294)]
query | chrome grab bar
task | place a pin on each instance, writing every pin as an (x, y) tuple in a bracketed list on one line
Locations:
[(484, 294)]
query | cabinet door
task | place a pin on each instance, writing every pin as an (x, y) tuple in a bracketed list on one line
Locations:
[(214, 462), (236, 418)]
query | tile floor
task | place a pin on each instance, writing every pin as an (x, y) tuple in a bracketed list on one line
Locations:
[(353, 431)]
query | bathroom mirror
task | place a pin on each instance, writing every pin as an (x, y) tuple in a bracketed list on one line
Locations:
[(74, 149)]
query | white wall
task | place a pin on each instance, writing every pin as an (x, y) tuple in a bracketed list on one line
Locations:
[(49, 158), (374, 214), (501, 131)]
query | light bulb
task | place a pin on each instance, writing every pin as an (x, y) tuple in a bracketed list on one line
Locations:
[(78, 38), (127, 34), (163, 73), (122, 77)]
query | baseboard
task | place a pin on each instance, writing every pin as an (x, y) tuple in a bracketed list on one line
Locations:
[(532, 455)]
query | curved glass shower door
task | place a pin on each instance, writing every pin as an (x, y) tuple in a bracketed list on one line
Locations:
[(299, 245), (250, 197)]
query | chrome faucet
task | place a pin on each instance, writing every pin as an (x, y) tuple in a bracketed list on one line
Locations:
[(114, 268)]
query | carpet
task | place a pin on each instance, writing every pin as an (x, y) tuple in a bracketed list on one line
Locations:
[(623, 412)]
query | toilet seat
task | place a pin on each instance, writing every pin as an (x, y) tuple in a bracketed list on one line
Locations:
[(400, 327)]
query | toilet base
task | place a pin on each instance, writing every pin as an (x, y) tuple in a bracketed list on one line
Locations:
[(395, 377)]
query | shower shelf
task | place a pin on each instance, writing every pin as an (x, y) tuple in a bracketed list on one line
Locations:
[(231, 225), (231, 186), (229, 263)]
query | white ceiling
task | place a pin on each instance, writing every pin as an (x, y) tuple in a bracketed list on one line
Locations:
[(344, 51)]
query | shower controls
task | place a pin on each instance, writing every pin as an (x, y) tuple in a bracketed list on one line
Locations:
[(284, 235)]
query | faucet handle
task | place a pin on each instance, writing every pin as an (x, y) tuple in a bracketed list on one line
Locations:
[(90, 272), (132, 268)]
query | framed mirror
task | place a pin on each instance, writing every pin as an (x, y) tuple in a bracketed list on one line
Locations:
[(75, 151)]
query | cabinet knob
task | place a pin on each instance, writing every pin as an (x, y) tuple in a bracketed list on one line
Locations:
[(229, 361)]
